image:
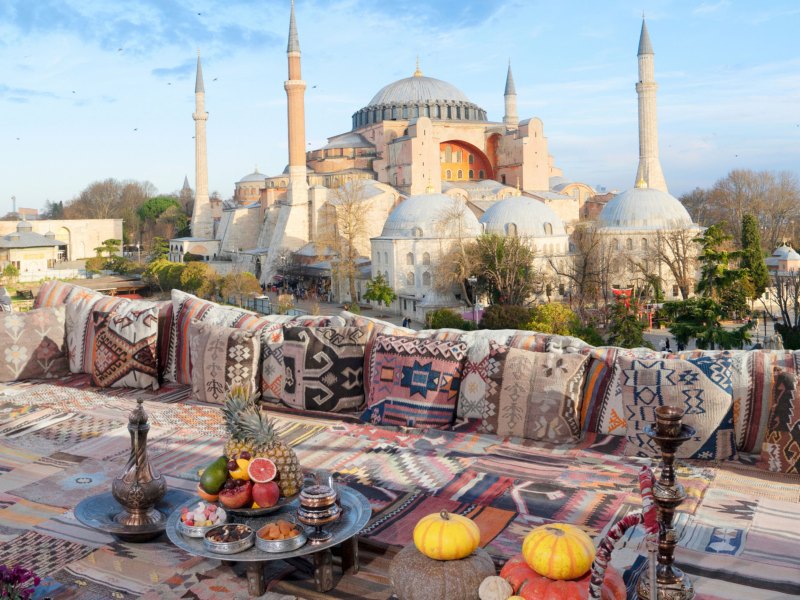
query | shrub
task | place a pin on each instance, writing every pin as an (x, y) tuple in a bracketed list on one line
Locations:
[(505, 316), (444, 318)]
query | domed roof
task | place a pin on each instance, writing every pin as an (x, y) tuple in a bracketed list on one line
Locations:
[(531, 218), (644, 208), (416, 89), (253, 177), (417, 216), (24, 226), (785, 251)]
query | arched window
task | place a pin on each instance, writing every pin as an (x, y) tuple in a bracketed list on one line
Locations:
[(448, 154), (386, 275), (644, 243), (511, 229), (629, 244), (471, 159), (410, 258), (481, 174), (386, 257), (548, 229), (471, 173), (460, 174), (615, 244), (426, 278), (448, 174), (416, 232), (426, 258), (410, 278), (377, 257)]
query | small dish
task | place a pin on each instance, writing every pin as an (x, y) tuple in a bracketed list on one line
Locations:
[(229, 539), (287, 545), (198, 531)]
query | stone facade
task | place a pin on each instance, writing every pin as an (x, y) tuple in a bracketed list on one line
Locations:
[(80, 236)]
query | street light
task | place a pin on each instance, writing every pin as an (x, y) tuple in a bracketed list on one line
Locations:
[(473, 281)]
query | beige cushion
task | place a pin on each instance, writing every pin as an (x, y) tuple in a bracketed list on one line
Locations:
[(32, 344), (222, 357)]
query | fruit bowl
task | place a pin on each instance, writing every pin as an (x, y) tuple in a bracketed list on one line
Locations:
[(263, 510), (285, 545)]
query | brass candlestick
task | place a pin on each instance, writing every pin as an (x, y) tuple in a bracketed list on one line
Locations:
[(668, 493), (139, 488)]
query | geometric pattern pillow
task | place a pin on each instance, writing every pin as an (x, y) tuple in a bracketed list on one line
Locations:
[(324, 368), (32, 344), (781, 450), (222, 357), (414, 382), (533, 395), (701, 387), (125, 352), (55, 293)]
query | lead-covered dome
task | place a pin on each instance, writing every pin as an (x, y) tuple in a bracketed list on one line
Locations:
[(524, 217), (253, 177), (425, 216), (644, 208), (418, 96)]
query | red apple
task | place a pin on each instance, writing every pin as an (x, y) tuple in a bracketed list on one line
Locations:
[(266, 494)]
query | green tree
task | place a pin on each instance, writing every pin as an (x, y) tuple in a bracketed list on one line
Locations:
[(505, 267), (625, 329), (701, 318), (505, 316), (95, 264), (553, 317), (9, 274), (753, 256), (240, 285), (110, 247), (154, 207), (379, 290), (444, 318), (164, 274), (160, 248), (195, 275)]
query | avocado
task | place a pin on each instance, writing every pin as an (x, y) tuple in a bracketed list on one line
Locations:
[(214, 475)]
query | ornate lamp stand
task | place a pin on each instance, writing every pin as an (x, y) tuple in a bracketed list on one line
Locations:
[(669, 433)]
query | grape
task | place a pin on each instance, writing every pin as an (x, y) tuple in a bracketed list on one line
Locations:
[(232, 465), (245, 455)]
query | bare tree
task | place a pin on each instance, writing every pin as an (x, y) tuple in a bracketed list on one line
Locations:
[(586, 268), (454, 265)]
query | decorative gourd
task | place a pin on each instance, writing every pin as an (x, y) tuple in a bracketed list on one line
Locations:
[(417, 577), (495, 588), (529, 585), (445, 536), (558, 551)]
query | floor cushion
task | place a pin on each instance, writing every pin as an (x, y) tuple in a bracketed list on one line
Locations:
[(781, 450), (125, 349), (80, 326), (413, 381), (324, 368), (222, 357), (56, 293), (700, 386), (33, 344)]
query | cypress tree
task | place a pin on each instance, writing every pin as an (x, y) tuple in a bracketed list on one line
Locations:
[(753, 257)]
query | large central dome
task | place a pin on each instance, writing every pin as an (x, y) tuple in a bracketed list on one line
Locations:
[(418, 96)]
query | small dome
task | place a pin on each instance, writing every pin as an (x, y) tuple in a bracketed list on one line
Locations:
[(51, 235), (529, 217), (24, 227), (645, 208), (253, 177), (785, 251), (417, 216)]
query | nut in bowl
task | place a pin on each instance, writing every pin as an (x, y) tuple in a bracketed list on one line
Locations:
[(198, 518), (229, 539), (280, 535)]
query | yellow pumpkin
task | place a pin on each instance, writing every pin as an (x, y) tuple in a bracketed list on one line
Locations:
[(444, 536), (558, 551)]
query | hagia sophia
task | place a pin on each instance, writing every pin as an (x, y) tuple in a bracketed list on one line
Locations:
[(419, 152)]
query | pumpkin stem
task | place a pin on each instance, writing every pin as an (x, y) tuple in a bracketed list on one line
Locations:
[(445, 515)]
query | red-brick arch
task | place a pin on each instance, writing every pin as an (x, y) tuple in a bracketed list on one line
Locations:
[(458, 157)]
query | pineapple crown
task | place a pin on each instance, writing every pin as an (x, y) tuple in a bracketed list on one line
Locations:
[(244, 420)]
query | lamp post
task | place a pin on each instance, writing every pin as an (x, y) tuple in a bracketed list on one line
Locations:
[(473, 281)]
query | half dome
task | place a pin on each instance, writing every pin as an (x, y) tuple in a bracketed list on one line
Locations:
[(253, 177), (645, 208), (523, 216), (423, 216)]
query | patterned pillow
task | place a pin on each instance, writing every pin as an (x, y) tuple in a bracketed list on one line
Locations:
[(80, 326), (125, 350), (781, 450), (56, 293), (413, 381), (222, 357), (32, 344), (533, 395), (700, 386), (324, 368)]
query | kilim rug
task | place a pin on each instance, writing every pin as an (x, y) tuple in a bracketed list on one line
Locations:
[(59, 443)]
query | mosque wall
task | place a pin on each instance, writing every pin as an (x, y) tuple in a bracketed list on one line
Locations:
[(81, 235), (241, 230)]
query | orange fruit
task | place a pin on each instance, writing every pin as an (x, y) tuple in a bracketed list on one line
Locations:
[(205, 495)]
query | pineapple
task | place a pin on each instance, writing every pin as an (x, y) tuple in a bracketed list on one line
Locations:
[(251, 430)]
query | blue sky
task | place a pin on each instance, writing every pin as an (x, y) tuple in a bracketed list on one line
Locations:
[(93, 89)]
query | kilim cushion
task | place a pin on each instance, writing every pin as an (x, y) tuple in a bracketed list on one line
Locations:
[(32, 344), (222, 357), (56, 293), (700, 386), (413, 381), (324, 368), (781, 450), (125, 350), (533, 395)]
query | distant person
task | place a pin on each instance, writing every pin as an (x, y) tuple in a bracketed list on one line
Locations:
[(666, 346), (681, 347), (5, 300)]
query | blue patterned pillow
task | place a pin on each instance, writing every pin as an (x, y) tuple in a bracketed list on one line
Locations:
[(701, 386), (413, 381)]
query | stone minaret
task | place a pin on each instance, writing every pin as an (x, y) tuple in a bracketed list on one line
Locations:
[(511, 118), (295, 91), (649, 173), (202, 219)]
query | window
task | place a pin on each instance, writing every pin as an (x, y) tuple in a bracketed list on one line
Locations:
[(511, 230), (548, 229), (410, 278), (481, 174), (561, 290), (410, 258), (460, 174), (629, 244), (386, 275), (615, 244), (503, 179), (675, 291), (416, 232), (458, 156), (471, 174), (426, 258), (448, 174), (377, 257), (644, 243), (426, 278), (471, 159), (386, 257)]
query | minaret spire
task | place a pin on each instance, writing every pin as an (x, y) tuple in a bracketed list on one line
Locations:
[(649, 173), (294, 40), (511, 118), (202, 219)]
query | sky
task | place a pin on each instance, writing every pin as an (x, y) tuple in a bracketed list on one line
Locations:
[(92, 89)]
